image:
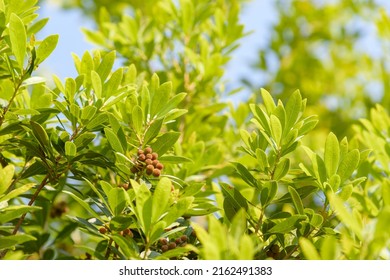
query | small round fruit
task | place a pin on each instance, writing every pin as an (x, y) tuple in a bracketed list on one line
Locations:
[(159, 166), (154, 156), (148, 156), (140, 152), (126, 232), (141, 157), (178, 240), (148, 150), (184, 238), (103, 230), (149, 169), (163, 241), (164, 248), (171, 245), (125, 186), (155, 162), (156, 173), (148, 161), (270, 254)]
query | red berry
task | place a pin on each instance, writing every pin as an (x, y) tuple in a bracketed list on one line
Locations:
[(156, 173), (148, 150), (155, 162), (103, 230), (159, 166), (149, 169)]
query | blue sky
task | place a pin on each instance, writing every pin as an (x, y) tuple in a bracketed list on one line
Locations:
[(257, 17)]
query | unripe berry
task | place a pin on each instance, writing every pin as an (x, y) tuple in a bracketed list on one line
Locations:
[(103, 230), (164, 248), (154, 156), (156, 172), (159, 166), (148, 150), (172, 245)]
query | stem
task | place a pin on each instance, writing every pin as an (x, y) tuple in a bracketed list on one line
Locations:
[(6, 108), (108, 252), (32, 200)]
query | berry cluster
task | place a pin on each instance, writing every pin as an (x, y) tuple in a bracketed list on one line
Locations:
[(124, 233), (180, 241), (147, 161), (273, 251)]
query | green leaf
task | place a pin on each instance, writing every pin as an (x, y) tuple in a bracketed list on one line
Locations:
[(70, 149), (346, 192), (46, 47), (281, 169), (15, 192), (84, 204), (13, 212), (113, 140), (287, 224), (172, 104), (296, 200), (6, 175), (165, 142), (87, 113), (178, 209), (308, 249), (329, 248), (160, 98), (18, 37), (233, 201), (276, 129), (117, 200), (106, 65), (332, 154), (127, 246), (40, 133), (348, 164), (293, 109), (161, 198), (138, 119), (268, 101), (121, 222), (343, 214), (96, 84), (153, 130), (316, 220), (10, 241), (246, 175)]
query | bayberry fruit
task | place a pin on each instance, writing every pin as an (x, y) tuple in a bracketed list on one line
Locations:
[(172, 245), (149, 169), (148, 156), (156, 172), (103, 230), (163, 241), (148, 150), (141, 157), (178, 240), (125, 186), (159, 166), (155, 162), (154, 156), (126, 232), (148, 161), (184, 238), (164, 248), (140, 152)]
